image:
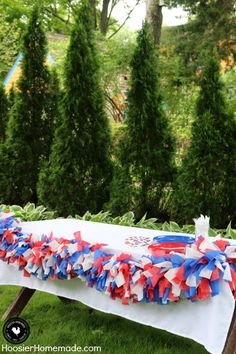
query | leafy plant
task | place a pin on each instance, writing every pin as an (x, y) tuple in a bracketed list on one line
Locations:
[(30, 212), (128, 219)]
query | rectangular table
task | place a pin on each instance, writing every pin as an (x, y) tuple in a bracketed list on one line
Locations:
[(191, 320)]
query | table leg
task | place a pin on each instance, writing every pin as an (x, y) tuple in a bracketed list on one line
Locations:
[(230, 344), (17, 306), (22, 299)]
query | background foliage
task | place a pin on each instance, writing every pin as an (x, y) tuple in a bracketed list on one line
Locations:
[(30, 212), (181, 58)]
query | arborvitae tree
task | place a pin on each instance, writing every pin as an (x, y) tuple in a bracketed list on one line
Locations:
[(207, 179), (11, 97), (28, 130), (122, 193), (147, 153), (3, 112), (53, 102), (78, 174)]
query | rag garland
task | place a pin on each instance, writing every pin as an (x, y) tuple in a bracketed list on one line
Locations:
[(175, 268)]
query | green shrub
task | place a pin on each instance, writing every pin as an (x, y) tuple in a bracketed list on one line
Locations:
[(78, 174), (3, 112), (207, 179), (146, 151), (29, 129)]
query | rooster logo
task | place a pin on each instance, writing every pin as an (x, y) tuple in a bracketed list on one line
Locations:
[(16, 330)]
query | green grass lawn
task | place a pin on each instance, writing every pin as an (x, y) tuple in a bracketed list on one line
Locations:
[(55, 323)]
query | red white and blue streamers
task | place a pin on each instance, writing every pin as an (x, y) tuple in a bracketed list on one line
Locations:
[(171, 271)]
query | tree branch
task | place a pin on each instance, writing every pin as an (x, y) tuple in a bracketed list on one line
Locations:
[(113, 4), (55, 14), (118, 116), (124, 22)]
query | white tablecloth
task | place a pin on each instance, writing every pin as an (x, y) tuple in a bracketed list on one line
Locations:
[(206, 322)]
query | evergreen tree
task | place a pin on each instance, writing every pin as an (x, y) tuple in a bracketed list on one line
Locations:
[(122, 194), (78, 174), (3, 113), (212, 23), (147, 152), (11, 97), (54, 98), (28, 130), (207, 179)]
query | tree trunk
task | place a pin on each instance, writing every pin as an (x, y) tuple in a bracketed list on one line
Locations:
[(104, 15), (93, 4), (155, 18)]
